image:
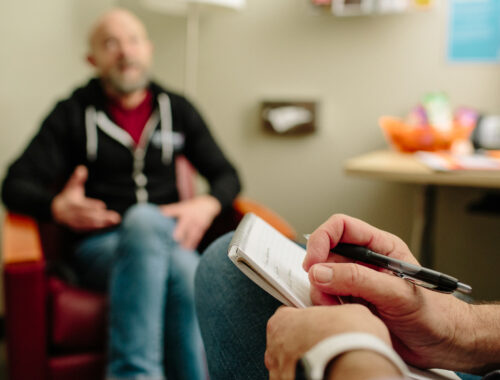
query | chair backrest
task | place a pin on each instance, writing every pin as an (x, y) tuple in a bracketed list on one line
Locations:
[(186, 178)]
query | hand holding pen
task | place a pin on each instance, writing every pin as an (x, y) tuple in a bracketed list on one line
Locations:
[(421, 321), (416, 274)]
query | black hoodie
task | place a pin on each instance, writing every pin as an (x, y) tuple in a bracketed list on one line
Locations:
[(79, 131)]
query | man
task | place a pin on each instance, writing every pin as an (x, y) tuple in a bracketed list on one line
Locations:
[(427, 329), (102, 165)]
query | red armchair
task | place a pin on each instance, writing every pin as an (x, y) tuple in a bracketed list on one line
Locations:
[(54, 330)]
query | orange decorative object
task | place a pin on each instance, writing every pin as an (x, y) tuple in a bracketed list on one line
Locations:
[(244, 205), (21, 241), (409, 138), (493, 153)]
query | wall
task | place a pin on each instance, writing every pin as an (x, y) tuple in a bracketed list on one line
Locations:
[(357, 68)]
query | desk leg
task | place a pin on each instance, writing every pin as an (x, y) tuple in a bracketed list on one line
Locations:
[(422, 234)]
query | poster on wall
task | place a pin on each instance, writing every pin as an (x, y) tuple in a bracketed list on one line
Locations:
[(474, 31)]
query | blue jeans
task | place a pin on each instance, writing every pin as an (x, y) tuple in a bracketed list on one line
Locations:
[(150, 280), (233, 314)]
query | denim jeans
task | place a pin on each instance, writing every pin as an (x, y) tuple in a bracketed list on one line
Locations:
[(233, 314), (150, 280)]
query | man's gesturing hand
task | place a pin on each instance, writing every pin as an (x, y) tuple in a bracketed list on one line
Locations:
[(193, 216), (72, 208)]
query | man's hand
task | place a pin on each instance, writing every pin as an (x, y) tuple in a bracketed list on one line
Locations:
[(429, 329), (292, 332), (72, 208), (194, 217)]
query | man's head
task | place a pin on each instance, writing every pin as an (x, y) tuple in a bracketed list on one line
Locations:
[(120, 51)]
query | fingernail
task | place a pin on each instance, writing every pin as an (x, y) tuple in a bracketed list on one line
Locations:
[(322, 274)]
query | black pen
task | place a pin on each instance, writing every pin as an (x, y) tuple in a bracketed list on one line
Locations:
[(425, 277)]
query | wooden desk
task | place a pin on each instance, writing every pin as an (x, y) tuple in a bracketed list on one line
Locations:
[(398, 167)]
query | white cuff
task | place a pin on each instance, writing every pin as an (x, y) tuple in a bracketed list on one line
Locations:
[(317, 358)]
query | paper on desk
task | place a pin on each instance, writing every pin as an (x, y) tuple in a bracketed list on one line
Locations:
[(444, 161)]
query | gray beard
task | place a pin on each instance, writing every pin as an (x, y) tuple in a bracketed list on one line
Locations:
[(124, 87)]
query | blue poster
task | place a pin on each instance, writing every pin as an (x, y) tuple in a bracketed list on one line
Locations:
[(474, 31)]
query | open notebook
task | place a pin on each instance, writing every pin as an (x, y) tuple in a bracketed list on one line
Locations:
[(274, 263), (271, 260)]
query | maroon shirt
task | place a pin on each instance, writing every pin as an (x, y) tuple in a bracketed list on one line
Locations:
[(132, 120)]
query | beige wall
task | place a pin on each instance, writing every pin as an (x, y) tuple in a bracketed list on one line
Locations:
[(357, 69)]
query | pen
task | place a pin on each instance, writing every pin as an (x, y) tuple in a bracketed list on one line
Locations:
[(421, 276)]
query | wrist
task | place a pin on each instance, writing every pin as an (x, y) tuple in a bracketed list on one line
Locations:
[(478, 342), (213, 203), (361, 364), (55, 207), (317, 358)]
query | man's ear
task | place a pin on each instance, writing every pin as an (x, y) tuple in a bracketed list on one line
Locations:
[(90, 59)]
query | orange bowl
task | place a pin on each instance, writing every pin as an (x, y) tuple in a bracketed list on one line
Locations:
[(410, 138)]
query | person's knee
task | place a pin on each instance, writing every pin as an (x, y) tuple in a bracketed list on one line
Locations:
[(146, 235), (212, 263), (147, 218)]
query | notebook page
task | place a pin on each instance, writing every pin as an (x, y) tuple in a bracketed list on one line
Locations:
[(278, 258)]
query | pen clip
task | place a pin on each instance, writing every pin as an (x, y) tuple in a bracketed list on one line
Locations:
[(422, 283)]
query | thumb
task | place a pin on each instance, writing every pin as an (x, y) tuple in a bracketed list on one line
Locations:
[(388, 293), (78, 178)]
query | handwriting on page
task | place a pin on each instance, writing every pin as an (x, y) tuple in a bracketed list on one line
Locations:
[(281, 257)]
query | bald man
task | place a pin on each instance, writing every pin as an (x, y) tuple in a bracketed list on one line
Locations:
[(102, 165)]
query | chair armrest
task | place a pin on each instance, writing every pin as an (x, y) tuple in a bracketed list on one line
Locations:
[(242, 205), (21, 240)]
